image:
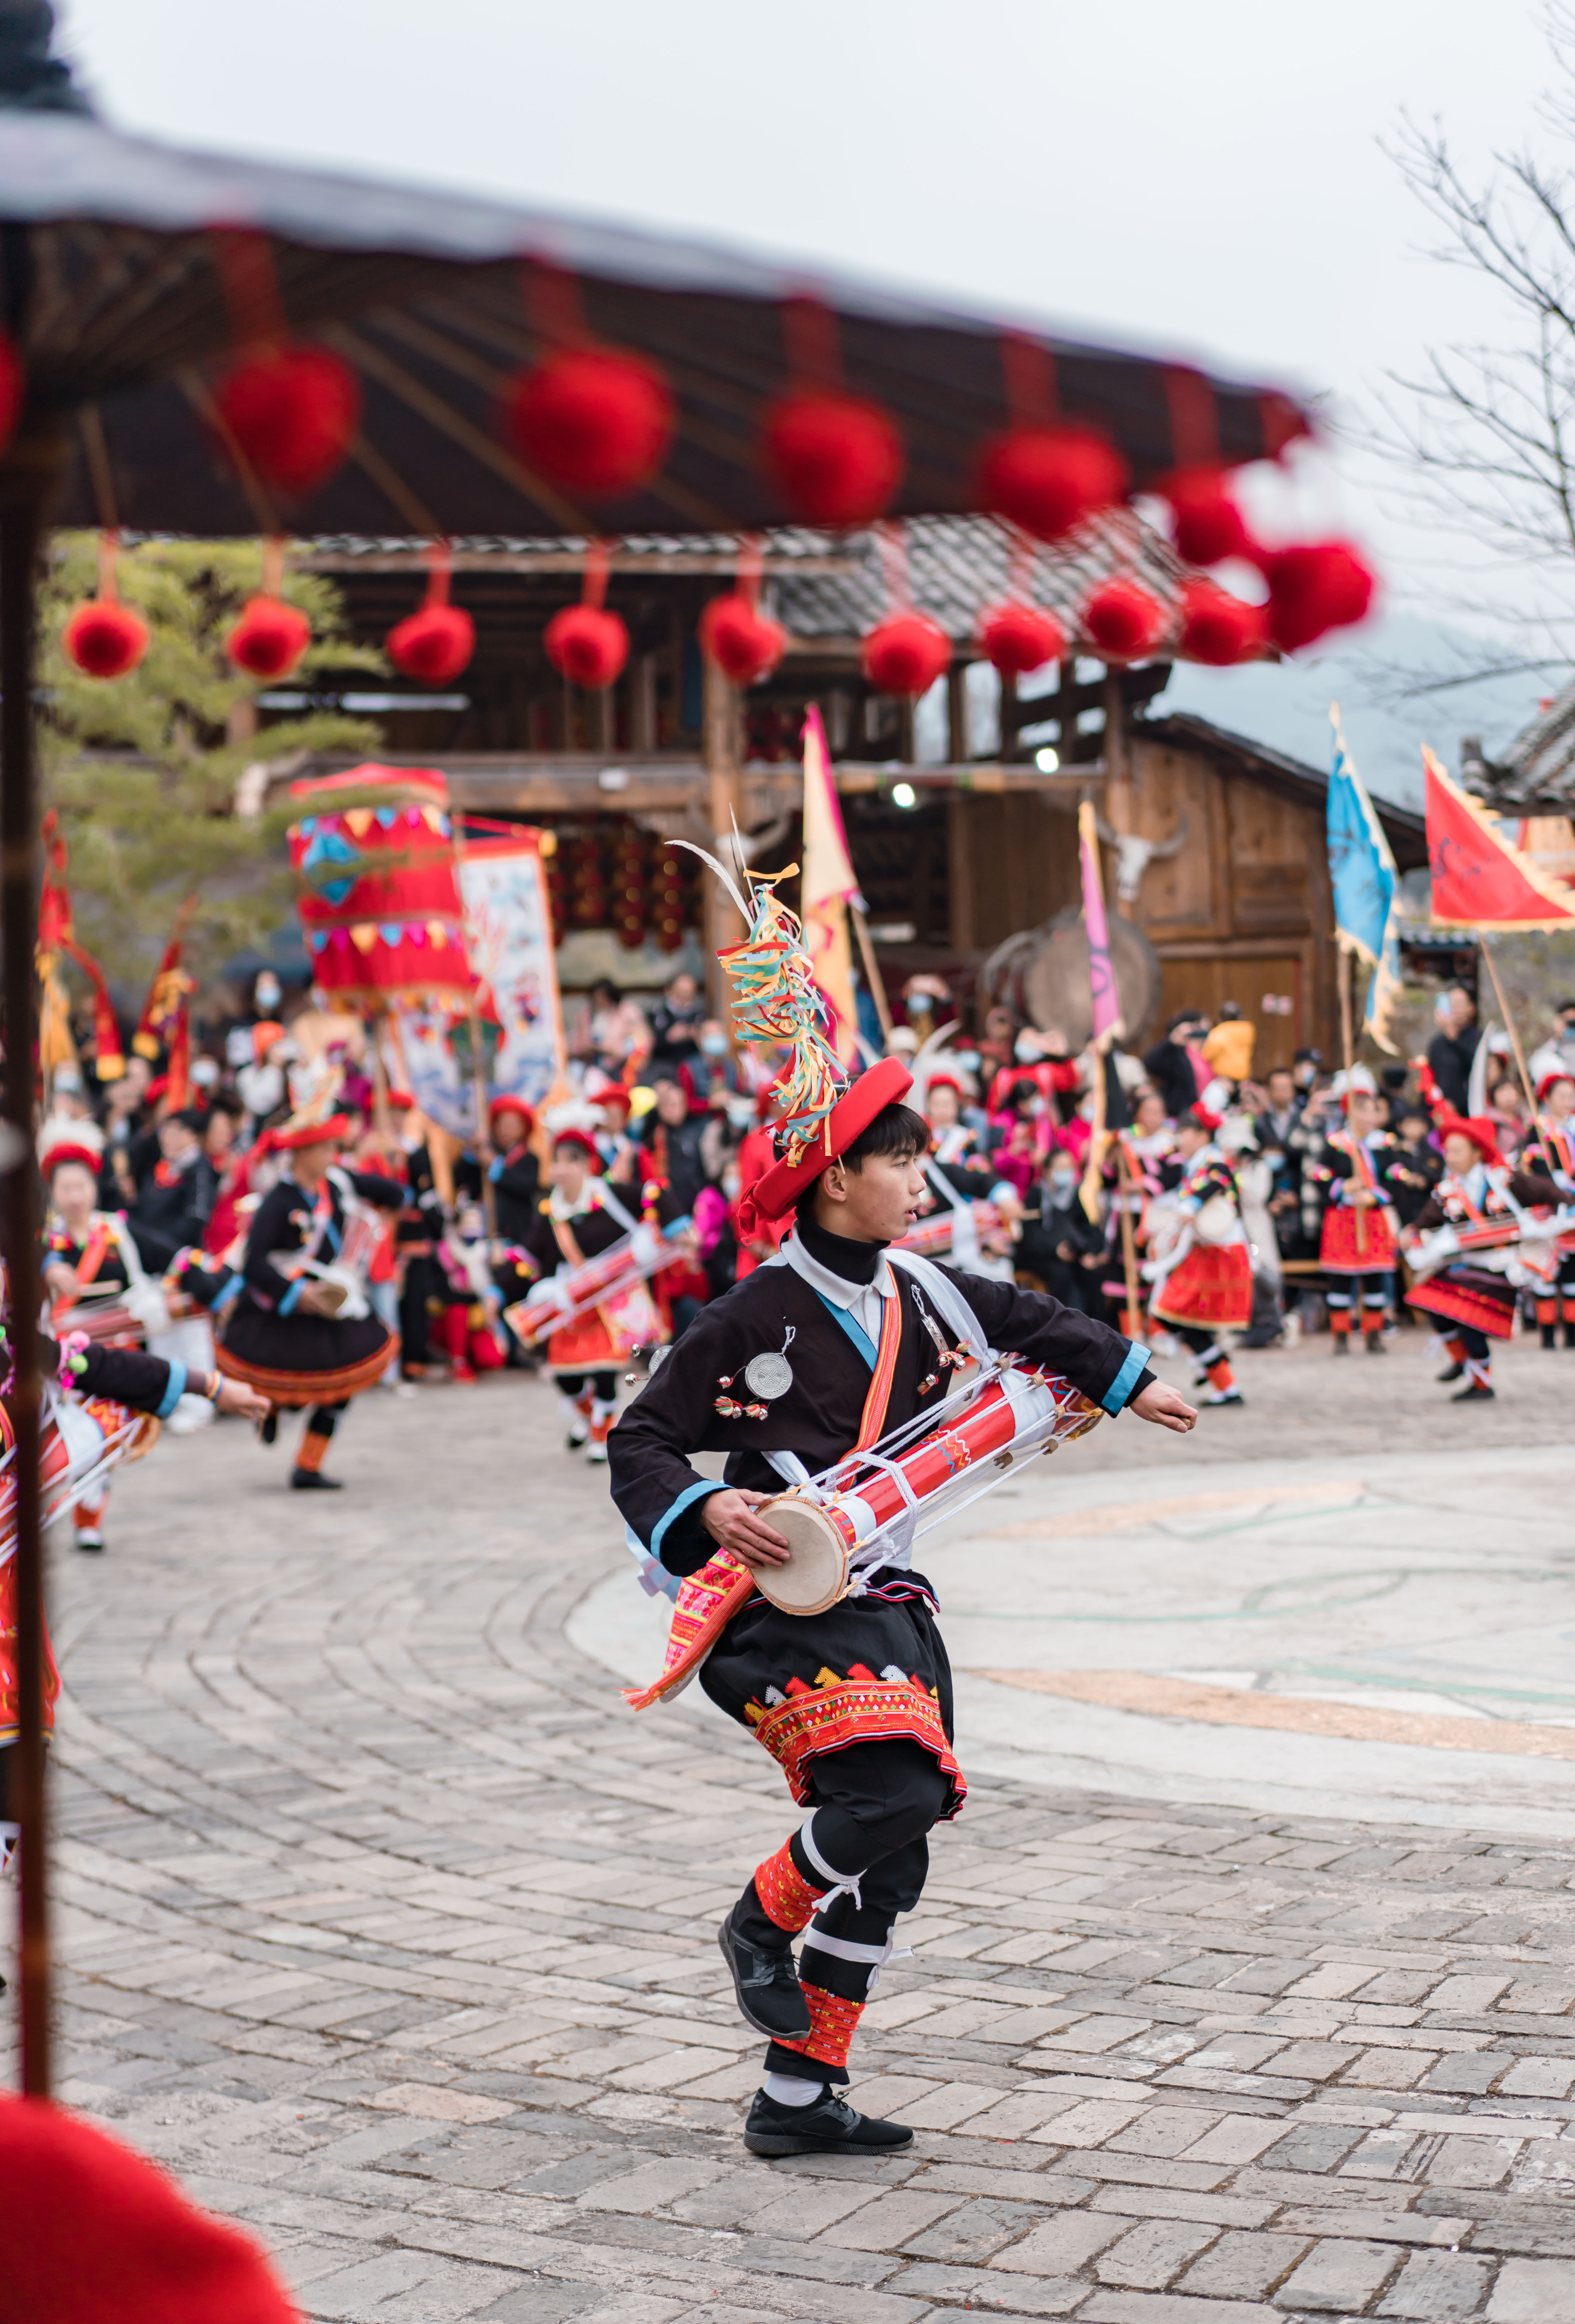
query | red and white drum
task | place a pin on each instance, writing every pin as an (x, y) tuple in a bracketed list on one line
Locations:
[(1015, 1415)]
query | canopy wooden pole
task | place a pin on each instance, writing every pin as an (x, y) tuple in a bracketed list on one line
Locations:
[(23, 485), (1509, 1026)]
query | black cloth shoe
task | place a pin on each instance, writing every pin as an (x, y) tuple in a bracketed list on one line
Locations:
[(267, 1428), (830, 2127), (1375, 1343), (1551, 1337), (1473, 1394), (1455, 1372), (1341, 1343), (312, 1480), (765, 1984)]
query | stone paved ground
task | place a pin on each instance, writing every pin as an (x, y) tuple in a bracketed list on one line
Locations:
[(391, 1931)]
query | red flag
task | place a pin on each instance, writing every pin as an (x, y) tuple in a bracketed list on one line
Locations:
[(1479, 881)]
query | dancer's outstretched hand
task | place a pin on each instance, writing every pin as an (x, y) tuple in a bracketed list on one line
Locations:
[(1166, 1405), (729, 1518)]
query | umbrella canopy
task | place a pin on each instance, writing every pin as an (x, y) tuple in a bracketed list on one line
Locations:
[(113, 288)]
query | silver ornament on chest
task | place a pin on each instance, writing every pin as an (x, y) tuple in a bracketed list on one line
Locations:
[(770, 1375)]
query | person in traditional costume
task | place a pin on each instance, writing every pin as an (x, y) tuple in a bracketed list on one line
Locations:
[(1360, 1244), (90, 1377), (955, 1145), (579, 1219), (817, 1354), (304, 1338), (1476, 1291), (1549, 1152), (1202, 1269)]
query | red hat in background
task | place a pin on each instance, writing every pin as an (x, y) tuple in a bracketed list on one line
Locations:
[(327, 1132), (775, 1193), (1204, 1117), (1549, 1081), (945, 1081), (576, 1136), (400, 1100), (506, 1104), (156, 1090), (1482, 1133), (98, 2235)]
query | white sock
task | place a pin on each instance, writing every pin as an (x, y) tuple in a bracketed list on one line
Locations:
[(792, 2089)]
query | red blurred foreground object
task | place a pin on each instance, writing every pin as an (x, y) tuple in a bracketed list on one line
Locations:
[(293, 414), (1313, 588), (835, 459), (1219, 629), (1049, 480), (104, 640), (268, 638), (1209, 526), (586, 645), (1019, 639), (593, 421), (97, 2235), (1123, 620), (906, 654), (745, 644)]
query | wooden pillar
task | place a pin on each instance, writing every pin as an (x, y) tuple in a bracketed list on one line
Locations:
[(26, 483), (960, 871), (906, 748), (642, 717), (603, 702), (1118, 757), (724, 805), (957, 744), (1010, 746), (1066, 714)]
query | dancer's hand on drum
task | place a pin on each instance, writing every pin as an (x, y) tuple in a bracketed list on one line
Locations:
[(1166, 1405), (317, 1299), (729, 1518)]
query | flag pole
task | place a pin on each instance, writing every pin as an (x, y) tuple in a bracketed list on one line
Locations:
[(1128, 1238), (1521, 1066), (873, 974)]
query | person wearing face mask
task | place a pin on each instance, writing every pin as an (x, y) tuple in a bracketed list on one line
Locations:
[(712, 1070), (1061, 1250)]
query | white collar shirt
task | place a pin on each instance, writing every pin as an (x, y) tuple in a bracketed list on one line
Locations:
[(863, 1302)]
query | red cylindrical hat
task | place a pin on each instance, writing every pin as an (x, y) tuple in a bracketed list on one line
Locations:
[(1549, 1081), (69, 1149), (1482, 1133), (945, 1081), (506, 1104), (885, 1083), (576, 1137), (296, 1134)]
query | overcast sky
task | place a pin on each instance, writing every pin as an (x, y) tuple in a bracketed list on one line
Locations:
[(1205, 176)]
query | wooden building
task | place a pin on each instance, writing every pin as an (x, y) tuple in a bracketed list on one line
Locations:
[(962, 825)]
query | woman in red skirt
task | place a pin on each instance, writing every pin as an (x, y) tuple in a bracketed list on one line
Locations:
[(1475, 1290), (1203, 1275)]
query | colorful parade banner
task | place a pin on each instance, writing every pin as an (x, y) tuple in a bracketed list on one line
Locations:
[(1479, 881), (1365, 882), (507, 930)]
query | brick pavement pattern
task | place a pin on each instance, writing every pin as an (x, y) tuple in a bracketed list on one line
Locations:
[(391, 1930)]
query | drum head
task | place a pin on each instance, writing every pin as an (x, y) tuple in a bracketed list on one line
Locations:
[(816, 1573)]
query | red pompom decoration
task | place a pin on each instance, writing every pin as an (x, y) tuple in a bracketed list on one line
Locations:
[(586, 645), (1316, 588), (1048, 480), (743, 642), (1125, 621), (1219, 629), (1019, 640), (13, 387), (433, 645), (268, 638), (593, 421), (103, 639), (836, 460), (1208, 527), (906, 654), (292, 413)]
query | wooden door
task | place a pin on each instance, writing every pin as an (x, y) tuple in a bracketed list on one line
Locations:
[(1268, 990)]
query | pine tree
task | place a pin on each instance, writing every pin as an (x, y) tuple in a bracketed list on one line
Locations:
[(144, 768)]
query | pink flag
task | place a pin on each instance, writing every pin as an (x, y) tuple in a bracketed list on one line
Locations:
[(1107, 1002)]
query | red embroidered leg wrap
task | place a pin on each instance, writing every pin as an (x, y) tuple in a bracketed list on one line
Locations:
[(1221, 1375), (834, 2024), (786, 1895), (1455, 1349), (1547, 1314), (1340, 1321)]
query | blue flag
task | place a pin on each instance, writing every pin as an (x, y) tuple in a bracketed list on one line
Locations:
[(1365, 884)]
